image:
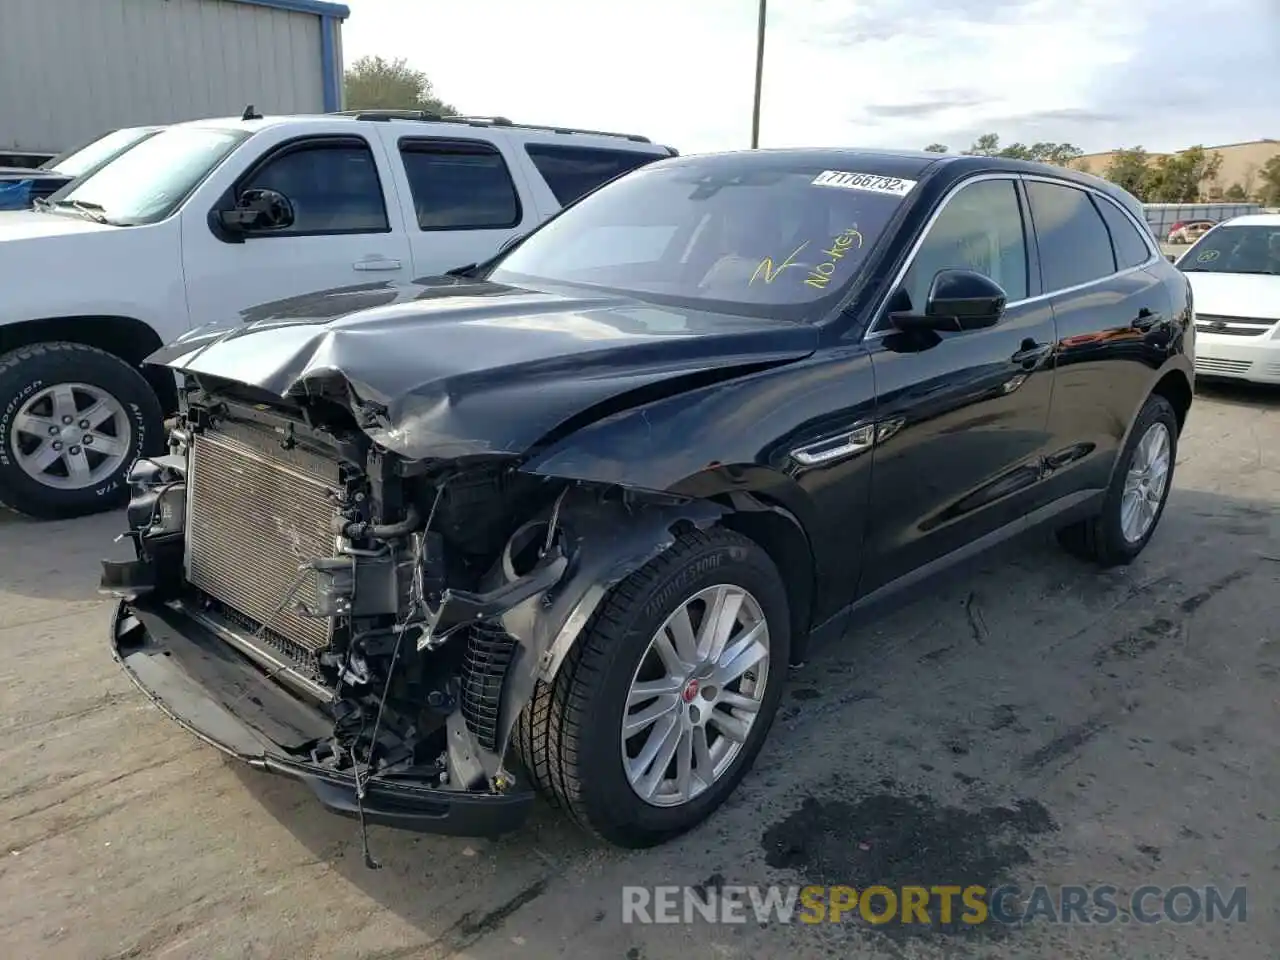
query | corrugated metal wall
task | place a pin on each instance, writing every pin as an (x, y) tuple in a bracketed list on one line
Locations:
[(71, 69)]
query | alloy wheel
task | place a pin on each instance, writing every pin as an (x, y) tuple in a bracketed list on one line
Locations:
[(695, 695), (1145, 483), (70, 436)]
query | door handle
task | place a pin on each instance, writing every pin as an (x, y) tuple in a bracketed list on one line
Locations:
[(1031, 353), (1145, 320), (376, 263)]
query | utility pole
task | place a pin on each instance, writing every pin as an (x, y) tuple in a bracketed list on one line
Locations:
[(755, 113)]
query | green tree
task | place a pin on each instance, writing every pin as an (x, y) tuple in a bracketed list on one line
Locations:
[(1061, 154), (936, 148), (374, 83), (1180, 177), (1235, 193), (1269, 183), (988, 145), (1130, 170)]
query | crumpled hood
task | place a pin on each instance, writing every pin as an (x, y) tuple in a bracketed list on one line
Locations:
[(1236, 294), (448, 368)]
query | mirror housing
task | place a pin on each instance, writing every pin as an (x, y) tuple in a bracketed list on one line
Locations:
[(958, 300), (258, 211)]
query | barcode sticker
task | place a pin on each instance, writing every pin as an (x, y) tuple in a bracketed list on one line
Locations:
[(868, 182)]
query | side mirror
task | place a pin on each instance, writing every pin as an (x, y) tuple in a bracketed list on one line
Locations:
[(958, 300), (258, 211)]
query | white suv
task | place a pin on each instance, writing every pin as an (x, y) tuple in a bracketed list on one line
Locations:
[(206, 220)]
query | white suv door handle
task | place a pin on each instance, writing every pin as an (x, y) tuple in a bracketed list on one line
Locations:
[(376, 263)]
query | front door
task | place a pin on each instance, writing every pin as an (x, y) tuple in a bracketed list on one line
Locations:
[(344, 231), (962, 417)]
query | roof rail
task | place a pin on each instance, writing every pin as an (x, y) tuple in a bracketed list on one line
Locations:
[(428, 117), (390, 115)]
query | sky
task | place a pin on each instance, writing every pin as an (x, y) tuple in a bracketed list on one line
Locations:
[(1101, 74)]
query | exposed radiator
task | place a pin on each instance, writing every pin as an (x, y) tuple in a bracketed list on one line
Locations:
[(255, 513)]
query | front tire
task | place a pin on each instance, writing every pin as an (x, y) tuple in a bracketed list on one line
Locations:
[(654, 717), (73, 419), (1139, 490)]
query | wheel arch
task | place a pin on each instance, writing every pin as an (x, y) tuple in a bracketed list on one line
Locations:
[(1175, 386), (127, 338), (781, 535)]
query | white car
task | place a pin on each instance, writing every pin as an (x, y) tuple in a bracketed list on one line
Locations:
[(207, 220), (1190, 232), (1234, 271)]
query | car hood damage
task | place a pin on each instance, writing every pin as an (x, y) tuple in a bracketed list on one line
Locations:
[(346, 505), (446, 369)]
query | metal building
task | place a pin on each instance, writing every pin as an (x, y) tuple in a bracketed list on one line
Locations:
[(73, 69)]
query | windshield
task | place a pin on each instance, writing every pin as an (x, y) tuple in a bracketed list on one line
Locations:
[(779, 240), (146, 183), (1247, 248), (78, 162)]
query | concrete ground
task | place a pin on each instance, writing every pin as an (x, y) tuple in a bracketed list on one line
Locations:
[(1033, 720)]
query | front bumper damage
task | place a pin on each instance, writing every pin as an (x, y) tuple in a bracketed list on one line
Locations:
[(199, 681), (221, 683)]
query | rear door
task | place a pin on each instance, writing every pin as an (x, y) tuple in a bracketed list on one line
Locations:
[(962, 417), (1113, 318), (344, 232), (462, 197)]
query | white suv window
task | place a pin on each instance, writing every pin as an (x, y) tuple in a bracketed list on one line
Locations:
[(460, 185)]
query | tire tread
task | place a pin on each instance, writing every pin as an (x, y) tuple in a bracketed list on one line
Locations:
[(15, 358)]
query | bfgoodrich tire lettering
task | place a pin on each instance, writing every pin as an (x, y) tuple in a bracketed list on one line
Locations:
[(1101, 538), (569, 735), (24, 374)]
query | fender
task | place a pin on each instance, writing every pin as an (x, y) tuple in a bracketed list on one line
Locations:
[(605, 539), (1177, 368), (741, 436)]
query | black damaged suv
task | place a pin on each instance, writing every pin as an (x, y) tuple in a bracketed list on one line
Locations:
[(559, 522)]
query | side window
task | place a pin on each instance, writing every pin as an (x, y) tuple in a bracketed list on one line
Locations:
[(460, 185), (1131, 250), (333, 186), (979, 229), (1075, 246), (572, 171)]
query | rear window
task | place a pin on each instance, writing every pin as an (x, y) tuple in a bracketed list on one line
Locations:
[(766, 237), (1075, 245), (571, 172), (459, 185), (1131, 250)]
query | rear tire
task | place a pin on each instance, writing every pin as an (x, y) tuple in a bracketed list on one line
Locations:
[(1104, 539), (570, 736), (73, 420)]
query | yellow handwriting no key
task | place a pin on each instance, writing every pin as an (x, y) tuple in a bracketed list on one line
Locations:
[(766, 265)]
